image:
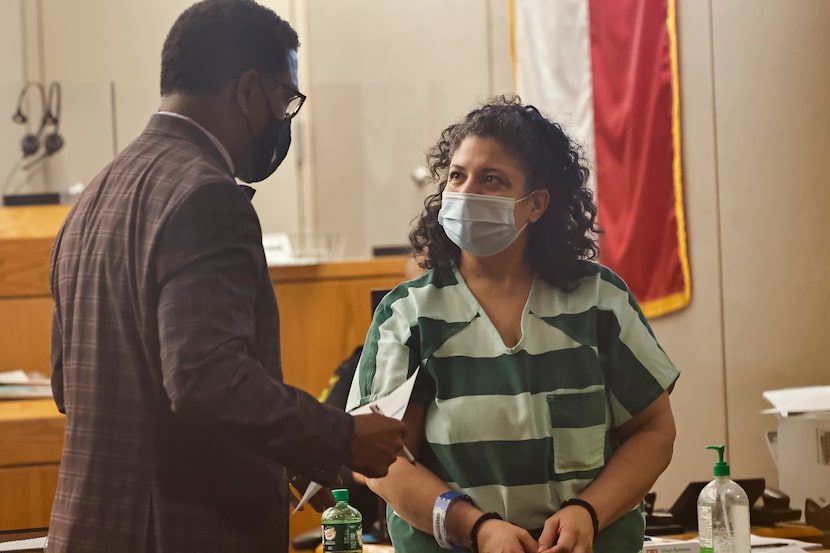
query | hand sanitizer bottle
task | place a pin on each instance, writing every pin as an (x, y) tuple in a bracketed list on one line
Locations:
[(723, 513)]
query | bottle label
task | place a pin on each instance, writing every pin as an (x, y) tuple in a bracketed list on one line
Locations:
[(343, 538), (704, 528)]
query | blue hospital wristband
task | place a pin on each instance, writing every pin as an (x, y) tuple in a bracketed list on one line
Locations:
[(439, 518)]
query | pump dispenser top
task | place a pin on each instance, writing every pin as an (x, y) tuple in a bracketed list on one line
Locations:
[(721, 468), (723, 512)]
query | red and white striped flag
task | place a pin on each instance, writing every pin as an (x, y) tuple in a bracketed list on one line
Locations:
[(607, 71)]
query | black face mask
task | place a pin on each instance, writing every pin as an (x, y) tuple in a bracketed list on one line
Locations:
[(269, 150)]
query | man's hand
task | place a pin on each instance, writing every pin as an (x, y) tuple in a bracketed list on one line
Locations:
[(377, 441), (570, 530), (320, 501)]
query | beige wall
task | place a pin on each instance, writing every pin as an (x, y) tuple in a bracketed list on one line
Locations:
[(693, 337), (384, 77), (11, 45), (772, 76), (756, 146), (11, 79)]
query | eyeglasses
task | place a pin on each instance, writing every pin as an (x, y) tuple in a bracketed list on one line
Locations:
[(294, 102)]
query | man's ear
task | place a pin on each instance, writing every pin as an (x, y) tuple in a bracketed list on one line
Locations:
[(246, 87), (538, 204)]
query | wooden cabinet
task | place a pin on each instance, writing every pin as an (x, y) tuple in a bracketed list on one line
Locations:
[(26, 236), (325, 310), (31, 440)]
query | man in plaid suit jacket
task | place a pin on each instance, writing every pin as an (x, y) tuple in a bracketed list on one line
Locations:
[(165, 348)]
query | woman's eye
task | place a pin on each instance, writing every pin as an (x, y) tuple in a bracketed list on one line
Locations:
[(454, 175)]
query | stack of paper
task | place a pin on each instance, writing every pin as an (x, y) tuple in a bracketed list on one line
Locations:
[(759, 544), (667, 545), (19, 384), (31, 544), (780, 545)]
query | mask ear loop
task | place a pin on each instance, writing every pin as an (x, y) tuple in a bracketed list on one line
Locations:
[(521, 230), (532, 192)]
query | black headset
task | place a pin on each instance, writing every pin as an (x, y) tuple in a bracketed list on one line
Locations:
[(51, 109)]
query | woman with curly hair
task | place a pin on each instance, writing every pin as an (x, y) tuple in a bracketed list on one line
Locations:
[(540, 415)]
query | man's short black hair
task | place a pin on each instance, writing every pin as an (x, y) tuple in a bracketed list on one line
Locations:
[(215, 41)]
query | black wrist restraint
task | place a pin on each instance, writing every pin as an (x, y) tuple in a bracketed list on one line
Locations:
[(588, 507), (477, 525)]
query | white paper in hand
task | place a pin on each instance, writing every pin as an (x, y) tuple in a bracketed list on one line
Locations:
[(393, 405), (312, 489)]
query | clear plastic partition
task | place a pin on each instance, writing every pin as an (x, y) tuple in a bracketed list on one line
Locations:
[(370, 166), (52, 145)]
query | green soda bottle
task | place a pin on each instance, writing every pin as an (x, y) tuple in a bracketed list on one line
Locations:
[(342, 526)]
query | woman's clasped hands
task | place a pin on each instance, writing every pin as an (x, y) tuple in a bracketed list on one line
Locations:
[(570, 530)]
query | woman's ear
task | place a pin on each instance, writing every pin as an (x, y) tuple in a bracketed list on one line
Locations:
[(538, 204), (246, 88)]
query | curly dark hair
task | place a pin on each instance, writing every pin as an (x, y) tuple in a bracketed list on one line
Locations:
[(565, 236), (215, 41)]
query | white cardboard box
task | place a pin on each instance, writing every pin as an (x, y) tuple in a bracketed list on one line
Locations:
[(802, 445)]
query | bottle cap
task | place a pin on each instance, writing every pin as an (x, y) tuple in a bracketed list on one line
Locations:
[(340, 495), (721, 468)]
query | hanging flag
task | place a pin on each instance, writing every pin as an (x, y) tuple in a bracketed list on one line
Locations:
[(606, 70)]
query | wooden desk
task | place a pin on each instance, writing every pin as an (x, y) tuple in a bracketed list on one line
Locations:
[(793, 531), (367, 548)]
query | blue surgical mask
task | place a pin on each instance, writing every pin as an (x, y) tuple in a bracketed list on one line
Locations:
[(479, 224)]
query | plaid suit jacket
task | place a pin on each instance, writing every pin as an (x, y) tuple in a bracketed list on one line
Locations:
[(166, 362)]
